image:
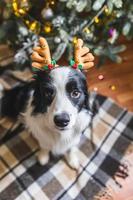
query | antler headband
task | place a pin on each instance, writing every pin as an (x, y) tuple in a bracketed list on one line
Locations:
[(41, 58)]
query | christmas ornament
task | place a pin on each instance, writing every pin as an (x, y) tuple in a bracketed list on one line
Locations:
[(100, 77), (57, 40), (20, 7), (47, 27), (47, 13)]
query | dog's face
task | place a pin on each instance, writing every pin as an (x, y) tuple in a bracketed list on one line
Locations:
[(59, 96)]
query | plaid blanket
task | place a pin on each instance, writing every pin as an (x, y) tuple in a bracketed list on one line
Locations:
[(104, 166)]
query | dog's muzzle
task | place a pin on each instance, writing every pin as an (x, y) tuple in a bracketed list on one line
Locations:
[(61, 120)]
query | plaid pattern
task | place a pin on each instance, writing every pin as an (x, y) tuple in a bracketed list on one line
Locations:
[(22, 178)]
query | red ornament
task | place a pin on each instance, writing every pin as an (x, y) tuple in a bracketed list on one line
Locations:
[(50, 66), (75, 66)]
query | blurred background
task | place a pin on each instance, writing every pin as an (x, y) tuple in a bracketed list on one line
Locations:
[(106, 26)]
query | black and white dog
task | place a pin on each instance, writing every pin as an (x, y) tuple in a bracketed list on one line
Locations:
[(55, 109)]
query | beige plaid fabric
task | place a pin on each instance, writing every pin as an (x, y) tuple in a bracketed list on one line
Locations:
[(22, 178)]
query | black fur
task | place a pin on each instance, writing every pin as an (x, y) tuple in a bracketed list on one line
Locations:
[(14, 101), (44, 92)]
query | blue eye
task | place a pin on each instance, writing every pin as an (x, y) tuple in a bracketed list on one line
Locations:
[(75, 94)]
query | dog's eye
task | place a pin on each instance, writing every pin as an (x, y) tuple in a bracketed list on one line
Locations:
[(75, 94)]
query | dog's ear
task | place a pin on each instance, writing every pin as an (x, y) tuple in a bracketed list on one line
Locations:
[(39, 102)]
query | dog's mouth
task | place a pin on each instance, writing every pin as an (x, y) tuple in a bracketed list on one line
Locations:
[(61, 128)]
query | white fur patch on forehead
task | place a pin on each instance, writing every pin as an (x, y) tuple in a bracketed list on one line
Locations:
[(60, 76)]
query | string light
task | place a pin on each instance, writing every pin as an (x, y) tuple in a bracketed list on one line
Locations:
[(106, 10), (75, 39), (33, 26), (48, 27), (52, 2), (96, 20), (87, 30)]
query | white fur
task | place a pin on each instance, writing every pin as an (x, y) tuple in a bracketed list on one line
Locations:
[(43, 128)]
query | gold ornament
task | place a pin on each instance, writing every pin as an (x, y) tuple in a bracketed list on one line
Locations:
[(47, 27), (96, 20), (75, 39), (20, 7)]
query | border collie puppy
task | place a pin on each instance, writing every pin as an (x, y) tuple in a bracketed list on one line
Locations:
[(58, 112), (55, 109)]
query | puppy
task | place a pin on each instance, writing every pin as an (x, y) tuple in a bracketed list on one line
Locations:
[(58, 113)]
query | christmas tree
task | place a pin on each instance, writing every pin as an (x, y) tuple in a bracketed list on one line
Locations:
[(99, 23)]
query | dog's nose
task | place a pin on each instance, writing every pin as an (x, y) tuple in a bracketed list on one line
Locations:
[(62, 120)]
